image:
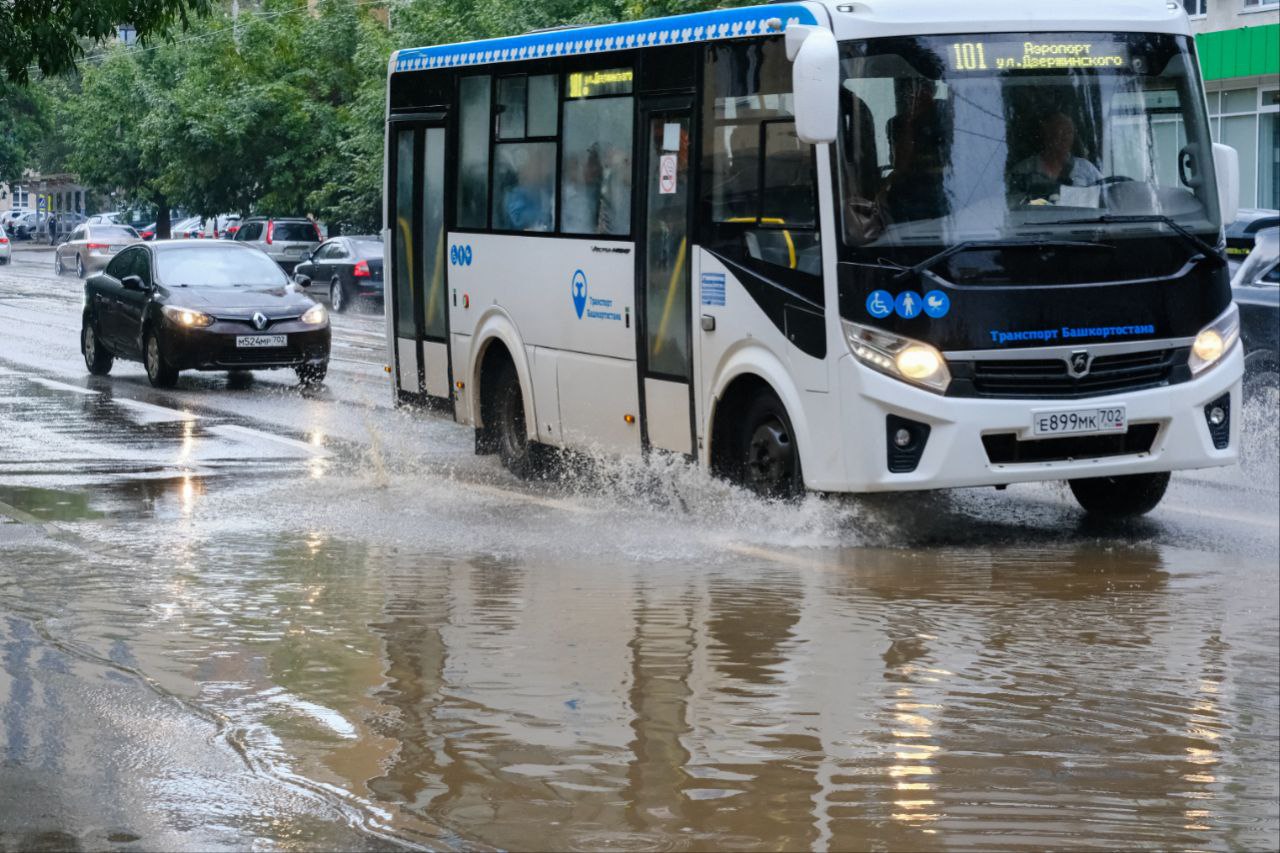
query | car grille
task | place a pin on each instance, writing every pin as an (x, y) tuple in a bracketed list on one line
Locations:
[(1049, 378), (1005, 448)]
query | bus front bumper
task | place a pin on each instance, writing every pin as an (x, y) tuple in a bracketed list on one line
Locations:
[(955, 455)]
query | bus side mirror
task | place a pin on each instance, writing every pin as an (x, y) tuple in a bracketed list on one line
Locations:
[(1226, 165), (815, 80)]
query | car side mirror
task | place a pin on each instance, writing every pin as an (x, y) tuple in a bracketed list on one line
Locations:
[(132, 282), (301, 281)]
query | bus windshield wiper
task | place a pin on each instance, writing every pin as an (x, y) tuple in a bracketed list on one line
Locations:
[(1119, 219), (966, 245)]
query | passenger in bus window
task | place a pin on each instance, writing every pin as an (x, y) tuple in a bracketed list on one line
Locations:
[(614, 211), (920, 141), (528, 203), (582, 192), (1055, 165)]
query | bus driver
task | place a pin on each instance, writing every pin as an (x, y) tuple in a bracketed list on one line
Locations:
[(1042, 175)]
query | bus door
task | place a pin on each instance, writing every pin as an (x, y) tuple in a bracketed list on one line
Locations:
[(664, 262), (417, 308)]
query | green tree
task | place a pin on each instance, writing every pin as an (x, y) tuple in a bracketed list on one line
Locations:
[(50, 34)]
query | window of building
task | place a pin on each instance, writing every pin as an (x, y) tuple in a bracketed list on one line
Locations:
[(1195, 8), (595, 188), (474, 95), (1257, 4), (758, 178), (1249, 121)]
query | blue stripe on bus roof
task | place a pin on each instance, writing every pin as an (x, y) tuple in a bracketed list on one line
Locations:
[(678, 29)]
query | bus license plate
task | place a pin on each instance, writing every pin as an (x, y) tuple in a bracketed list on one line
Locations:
[(261, 341), (1111, 419)]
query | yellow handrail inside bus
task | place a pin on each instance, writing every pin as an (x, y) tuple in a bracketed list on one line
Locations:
[(676, 272), (773, 220)]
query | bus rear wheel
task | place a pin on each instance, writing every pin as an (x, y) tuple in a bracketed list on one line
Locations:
[(768, 460), (1120, 497)]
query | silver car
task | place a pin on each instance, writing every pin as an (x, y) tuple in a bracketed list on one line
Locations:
[(89, 247), (6, 248), (285, 240)]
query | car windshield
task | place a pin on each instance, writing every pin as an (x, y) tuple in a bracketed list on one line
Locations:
[(952, 138), (112, 232), (224, 265), (303, 232)]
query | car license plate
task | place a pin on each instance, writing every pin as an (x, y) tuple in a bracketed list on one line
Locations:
[(1111, 419), (261, 341)]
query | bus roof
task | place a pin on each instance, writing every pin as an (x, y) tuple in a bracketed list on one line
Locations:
[(578, 41)]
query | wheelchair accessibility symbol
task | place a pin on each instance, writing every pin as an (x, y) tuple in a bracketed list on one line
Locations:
[(880, 304)]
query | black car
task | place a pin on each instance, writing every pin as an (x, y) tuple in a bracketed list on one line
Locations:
[(1242, 233), (1256, 288), (201, 305), (342, 270)]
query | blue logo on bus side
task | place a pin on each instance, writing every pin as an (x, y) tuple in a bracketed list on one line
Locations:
[(460, 256), (579, 292)]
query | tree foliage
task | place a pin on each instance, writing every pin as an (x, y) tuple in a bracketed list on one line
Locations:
[(50, 34), (282, 110)]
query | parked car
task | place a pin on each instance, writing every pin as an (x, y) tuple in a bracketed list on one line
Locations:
[(9, 217), (285, 240), (89, 248), (201, 305), (343, 270), (6, 250), (191, 228), (1242, 232), (112, 218), (1256, 287), (26, 226)]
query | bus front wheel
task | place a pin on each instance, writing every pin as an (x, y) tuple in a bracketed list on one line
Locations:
[(1120, 497), (768, 460), (522, 457)]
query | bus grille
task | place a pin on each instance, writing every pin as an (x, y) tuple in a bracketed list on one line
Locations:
[(1005, 448), (1050, 379)]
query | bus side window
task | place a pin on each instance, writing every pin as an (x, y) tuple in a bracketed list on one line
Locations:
[(473, 145), (595, 189), (524, 171), (759, 185)]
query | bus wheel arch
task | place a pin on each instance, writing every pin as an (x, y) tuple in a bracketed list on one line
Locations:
[(754, 437), (502, 402)]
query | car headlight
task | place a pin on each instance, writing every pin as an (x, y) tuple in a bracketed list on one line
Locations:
[(1215, 340), (315, 316), (902, 358), (187, 317)]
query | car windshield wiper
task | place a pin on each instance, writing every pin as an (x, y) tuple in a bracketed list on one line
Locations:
[(1119, 219), (996, 244)]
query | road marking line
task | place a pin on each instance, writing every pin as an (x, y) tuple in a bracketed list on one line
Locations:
[(279, 439), (175, 414), (62, 386)]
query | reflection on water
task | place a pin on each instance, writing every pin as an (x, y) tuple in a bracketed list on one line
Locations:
[(855, 699)]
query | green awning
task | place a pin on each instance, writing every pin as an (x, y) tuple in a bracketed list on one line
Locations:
[(1243, 52)]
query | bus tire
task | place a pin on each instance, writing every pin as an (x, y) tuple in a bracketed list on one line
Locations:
[(768, 457), (506, 419), (1127, 496)]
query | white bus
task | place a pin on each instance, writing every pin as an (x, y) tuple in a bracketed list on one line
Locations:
[(839, 246)]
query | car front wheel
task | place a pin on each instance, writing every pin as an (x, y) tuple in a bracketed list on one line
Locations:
[(160, 373), (312, 375), (96, 357)]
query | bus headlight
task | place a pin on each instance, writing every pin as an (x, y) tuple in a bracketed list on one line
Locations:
[(903, 358), (1215, 340)]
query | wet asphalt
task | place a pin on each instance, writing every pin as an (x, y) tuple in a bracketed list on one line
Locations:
[(244, 614)]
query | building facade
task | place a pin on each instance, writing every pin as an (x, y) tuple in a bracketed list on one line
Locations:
[(63, 191), (1239, 46)]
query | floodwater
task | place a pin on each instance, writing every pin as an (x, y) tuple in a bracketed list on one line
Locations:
[(216, 633)]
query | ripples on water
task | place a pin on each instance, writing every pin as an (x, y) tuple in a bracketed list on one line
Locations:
[(640, 657)]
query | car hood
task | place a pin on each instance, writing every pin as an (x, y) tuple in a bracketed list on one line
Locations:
[(231, 303)]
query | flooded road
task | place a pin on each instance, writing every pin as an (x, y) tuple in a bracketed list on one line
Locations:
[(240, 615)]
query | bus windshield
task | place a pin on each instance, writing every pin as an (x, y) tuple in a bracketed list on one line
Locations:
[(946, 139)]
